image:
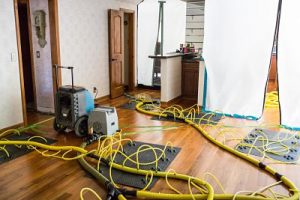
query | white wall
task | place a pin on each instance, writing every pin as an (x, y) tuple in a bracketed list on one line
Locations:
[(42, 65), (201, 83), (170, 79), (10, 101), (83, 27), (174, 33)]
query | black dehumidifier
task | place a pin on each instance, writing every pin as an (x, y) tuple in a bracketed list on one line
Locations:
[(72, 106)]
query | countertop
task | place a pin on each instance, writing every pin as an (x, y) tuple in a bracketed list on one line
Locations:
[(169, 55)]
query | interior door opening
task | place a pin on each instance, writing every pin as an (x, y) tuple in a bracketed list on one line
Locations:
[(28, 72), (129, 50), (38, 49)]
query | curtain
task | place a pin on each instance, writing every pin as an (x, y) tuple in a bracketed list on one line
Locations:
[(237, 50), (288, 63)]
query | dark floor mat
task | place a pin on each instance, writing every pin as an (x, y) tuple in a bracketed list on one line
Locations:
[(14, 151), (132, 104), (129, 106), (288, 147), (205, 118), (134, 180)]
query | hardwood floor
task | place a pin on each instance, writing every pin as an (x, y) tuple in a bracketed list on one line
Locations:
[(35, 177)]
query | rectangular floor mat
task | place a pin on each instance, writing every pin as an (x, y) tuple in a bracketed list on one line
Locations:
[(14, 151), (132, 104), (203, 118), (134, 180), (279, 146)]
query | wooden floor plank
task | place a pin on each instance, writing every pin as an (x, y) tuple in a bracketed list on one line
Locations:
[(35, 177)]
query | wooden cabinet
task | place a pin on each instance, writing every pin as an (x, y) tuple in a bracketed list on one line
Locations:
[(190, 79)]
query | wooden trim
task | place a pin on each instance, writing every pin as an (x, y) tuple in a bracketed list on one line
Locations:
[(31, 52), (171, 102), (12, 127), (24, 112), (127, 10), (102, 99), (55, 41), (132, 57)]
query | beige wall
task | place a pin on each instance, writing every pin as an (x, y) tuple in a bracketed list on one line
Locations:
[(171, 69), (42, 65), (10, 101), (84, 44), (84, 40)]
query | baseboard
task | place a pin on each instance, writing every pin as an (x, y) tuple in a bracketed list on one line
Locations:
[(171, 102), (12, 127), (102, 99), (45, 110)]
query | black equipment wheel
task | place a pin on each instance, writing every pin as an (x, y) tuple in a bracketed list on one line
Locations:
[(81, 126), (57, 127)]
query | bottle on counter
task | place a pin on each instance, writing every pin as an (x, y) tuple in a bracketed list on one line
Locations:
[(181, 48)]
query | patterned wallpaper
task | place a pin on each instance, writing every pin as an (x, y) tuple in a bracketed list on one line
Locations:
[(84, 40), (42, 65), (10, 103)]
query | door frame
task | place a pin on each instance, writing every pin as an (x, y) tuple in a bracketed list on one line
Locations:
[(55, 48), (132, 48)]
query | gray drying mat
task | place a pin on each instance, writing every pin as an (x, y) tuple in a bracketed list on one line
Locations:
[(132, 104), (205, 118), (138, 181), (15, 152), (289, 140)]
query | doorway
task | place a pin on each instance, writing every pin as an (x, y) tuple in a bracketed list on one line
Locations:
[(121, 51), (26, 49), (129, 51), (38, 51), (272, 82)]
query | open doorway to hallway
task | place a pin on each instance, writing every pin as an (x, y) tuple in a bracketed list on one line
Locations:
[(34, 20), (129, 51), (26, 48)]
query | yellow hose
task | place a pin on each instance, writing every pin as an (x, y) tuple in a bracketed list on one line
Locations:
[(288, 183)]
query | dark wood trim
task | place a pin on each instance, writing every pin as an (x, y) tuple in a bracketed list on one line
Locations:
[(31, 52), (12, 127), (24, 112), (132, 57), (171, 102), (127, 11), (55, 41), (102, 99)]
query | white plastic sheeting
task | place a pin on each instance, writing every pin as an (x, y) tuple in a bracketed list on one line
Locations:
[(237, 51), (174, 33), (288, 63)]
